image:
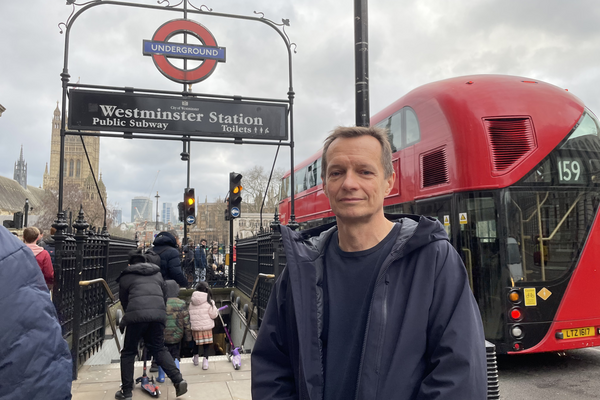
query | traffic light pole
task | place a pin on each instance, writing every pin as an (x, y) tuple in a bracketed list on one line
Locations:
[(186, 156), (230, 275)]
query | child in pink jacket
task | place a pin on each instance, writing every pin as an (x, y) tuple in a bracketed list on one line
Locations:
[(202, 312)]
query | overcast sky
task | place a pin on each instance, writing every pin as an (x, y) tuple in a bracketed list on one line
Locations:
[(411, 43)]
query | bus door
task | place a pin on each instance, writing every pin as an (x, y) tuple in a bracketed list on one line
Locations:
[(478, 246)]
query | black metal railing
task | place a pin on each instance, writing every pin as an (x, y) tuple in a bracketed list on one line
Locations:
[(84, 256), (260, 254)]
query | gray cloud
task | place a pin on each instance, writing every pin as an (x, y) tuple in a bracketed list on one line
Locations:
[(410, 44)]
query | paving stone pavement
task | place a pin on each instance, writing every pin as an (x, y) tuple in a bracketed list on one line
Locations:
[(219, 382)]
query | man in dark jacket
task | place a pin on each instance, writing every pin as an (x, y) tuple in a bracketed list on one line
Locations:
[(200, 259), (369, 308), (35, 362), (143, 295), (166, 245)]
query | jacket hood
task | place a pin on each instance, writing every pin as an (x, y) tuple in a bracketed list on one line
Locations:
[(35, 248), (165, 239), (199, 298), (172, 288), (140, 269), (416, 232)]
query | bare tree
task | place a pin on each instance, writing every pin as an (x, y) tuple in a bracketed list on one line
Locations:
[(73, 198), (255, 182)]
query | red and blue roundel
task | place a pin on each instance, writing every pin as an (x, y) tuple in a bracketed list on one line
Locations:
[(160, 49)]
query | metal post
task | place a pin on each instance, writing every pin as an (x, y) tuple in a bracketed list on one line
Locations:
[(276, 240), (229, 275), (26, 212), (361, 62), (80, 239), (59, 242), (61, 169)]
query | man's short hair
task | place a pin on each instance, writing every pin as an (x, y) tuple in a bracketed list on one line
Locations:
[(357, 131), (174, 233), (31, 234)]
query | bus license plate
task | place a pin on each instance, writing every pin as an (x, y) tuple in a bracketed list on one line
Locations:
[(578, 332)]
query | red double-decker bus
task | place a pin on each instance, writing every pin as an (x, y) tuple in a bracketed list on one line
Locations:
[(511, 167)]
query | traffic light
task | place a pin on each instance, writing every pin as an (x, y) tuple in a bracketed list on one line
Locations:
[(181, 211), (235, 195), (189, 204)]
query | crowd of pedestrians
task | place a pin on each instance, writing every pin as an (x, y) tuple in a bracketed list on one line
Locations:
[(154, 315)]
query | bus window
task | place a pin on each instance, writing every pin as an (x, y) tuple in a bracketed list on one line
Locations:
[(318, 170), (587, 126), (395, 129), (284, 190), (311, 176), (438, 209), (413, 134), (386, 124), (551, 227), (300, 180)]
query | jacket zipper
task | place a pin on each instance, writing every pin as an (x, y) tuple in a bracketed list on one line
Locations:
[(382, 274), (379, 345)]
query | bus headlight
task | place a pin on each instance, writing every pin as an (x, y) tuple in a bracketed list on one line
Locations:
[(517, 332)]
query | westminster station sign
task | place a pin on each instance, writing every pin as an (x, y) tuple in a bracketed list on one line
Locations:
[(129, 112)]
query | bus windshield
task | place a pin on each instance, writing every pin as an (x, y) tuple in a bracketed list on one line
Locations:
[(549, 213), (546, 231)]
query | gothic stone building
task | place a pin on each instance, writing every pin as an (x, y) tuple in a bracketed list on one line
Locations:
[(76, 167)]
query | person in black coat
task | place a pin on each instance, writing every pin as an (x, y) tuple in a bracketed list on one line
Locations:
[(166, 245), (35, 361), (143, 295)]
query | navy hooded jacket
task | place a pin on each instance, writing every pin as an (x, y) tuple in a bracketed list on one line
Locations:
[(35, 362), (165, 245), (424, 337)]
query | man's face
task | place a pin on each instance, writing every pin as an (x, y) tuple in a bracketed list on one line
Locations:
[(203, 243), (355, 182)]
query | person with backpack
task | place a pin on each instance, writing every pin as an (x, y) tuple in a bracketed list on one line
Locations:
[(143, 294), (166, 245), (202, 313), (178, 326)]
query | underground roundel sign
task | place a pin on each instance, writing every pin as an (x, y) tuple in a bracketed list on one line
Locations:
[(160, 49)]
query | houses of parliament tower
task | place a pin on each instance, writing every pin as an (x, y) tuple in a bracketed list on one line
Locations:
[(76, 167)]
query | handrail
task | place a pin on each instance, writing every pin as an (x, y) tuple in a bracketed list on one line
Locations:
[(469, 265), (261, 275), (110, 320)]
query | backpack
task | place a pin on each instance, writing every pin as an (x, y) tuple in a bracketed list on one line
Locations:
[(152, 257)]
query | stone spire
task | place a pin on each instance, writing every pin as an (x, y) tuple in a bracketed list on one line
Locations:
[(20, 174)]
